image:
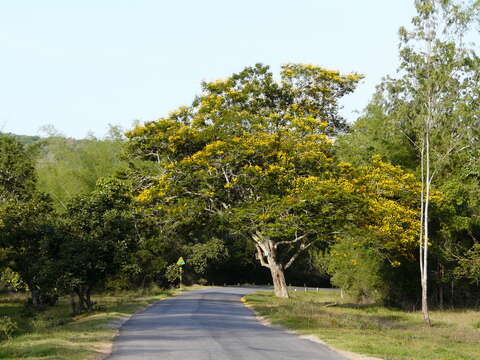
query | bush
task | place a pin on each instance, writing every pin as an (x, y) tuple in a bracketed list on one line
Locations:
[(7, 327), (12, 280), (173, 273), (358, 271)]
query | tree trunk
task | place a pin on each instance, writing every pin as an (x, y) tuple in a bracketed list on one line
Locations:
[(277, 271), (425, 312), (73, 304), (452, 295), (82, 302), (36, 300), (426, 316), (267, 255), (84, 298), (440, 296), (279, 283), (88, 299), (440, 286), (144, 285)]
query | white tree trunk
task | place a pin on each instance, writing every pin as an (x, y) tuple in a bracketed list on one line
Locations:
[(425, 312)]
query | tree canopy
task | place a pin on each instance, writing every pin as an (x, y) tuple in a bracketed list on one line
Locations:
[(254, 158)]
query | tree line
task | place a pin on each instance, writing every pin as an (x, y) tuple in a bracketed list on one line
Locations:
[(262, 171)]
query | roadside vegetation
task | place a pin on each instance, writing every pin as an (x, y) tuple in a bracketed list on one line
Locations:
[(375, 330), (56, 333)]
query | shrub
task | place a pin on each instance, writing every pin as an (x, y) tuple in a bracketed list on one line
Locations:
[(358, 271), (7, 326)]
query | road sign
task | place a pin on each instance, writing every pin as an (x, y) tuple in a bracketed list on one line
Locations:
[(181, 261)]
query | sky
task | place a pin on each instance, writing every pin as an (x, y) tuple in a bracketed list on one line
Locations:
[(81, 65)]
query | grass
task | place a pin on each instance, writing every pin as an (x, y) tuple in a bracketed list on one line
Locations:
[(374, 330), (55, 334)]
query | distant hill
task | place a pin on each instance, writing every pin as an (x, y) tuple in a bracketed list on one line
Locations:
[(46, 141), (67, 167), (24, 139)]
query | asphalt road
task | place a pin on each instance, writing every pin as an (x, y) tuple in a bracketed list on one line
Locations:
[(209, 324)]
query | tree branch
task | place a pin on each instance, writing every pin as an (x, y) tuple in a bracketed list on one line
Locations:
[(260, 256), (297, 239), (257, 239), (409, 138), (302, 248), (155, 154), (225, 174), (448, 153)]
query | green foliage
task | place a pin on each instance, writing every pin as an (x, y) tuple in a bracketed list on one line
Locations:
[(12, 279), (17, 174), (469, 265), (253, 158), (436, 94), (28, 236), (238, 150), (358, 270), (28, 233), (249, 101), (374, 133), (201, 256), (368, 258), (68, 167), (7, 326), (173, 273), (99, 235)]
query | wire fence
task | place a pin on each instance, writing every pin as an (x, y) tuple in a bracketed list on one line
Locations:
[(291, 288), (307, 289)]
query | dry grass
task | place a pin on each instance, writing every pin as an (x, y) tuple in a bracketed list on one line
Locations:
[(375, 330)]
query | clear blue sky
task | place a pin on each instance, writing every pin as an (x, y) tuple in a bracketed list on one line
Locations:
[(80, 65)]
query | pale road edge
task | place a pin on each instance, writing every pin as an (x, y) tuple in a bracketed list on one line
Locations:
[(266, 322)]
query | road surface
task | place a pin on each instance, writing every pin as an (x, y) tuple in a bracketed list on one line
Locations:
[(209, 324)]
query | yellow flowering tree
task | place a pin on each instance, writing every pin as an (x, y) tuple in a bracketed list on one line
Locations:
[(383, 243), (241, 161)]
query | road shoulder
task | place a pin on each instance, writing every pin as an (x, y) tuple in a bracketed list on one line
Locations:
[(266, 322)]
